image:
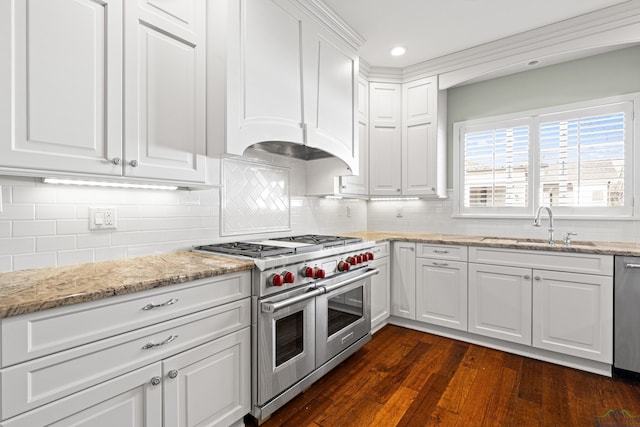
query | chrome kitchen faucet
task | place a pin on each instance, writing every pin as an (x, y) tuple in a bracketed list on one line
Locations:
[(537, 222)]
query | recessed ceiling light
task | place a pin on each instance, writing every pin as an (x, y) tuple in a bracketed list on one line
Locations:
[(398, 51)]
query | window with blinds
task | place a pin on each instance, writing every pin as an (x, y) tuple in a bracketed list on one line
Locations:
[(577, 161), (496, 163), (582, 161)]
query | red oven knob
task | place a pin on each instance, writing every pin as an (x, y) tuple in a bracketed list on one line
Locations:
[(319, 273), (308, 272), (343, 266), (289, 277), (352, 260), (369, 256), (359, 259), (277, 280)]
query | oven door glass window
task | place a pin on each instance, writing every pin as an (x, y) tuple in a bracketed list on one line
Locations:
[(344, 310), (289, 337)]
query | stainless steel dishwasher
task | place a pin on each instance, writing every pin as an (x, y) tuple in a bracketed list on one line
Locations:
[(627, 314)]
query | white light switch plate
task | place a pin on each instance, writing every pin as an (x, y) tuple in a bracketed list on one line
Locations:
[(103, 218)]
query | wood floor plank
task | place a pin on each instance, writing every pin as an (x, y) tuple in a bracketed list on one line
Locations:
[(406, 377)]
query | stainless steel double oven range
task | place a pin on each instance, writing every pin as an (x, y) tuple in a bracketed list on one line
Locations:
[(311, 310)]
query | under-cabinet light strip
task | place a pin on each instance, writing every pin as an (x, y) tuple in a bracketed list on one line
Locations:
[(390, 199), (108, 184)]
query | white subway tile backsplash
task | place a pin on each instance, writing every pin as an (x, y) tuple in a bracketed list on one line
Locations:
[(33, 228), (5, 229), (39, 194), (108, 254), (70, 226), (28, 261), (96, 240), (12, 211), (75, 257), (5, 263), (52, 211), (55, 243), (22, 245)]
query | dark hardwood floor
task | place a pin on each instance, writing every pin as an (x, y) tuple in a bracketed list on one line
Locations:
[(409, 378)]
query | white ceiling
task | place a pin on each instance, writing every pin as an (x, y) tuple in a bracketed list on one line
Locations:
[(433, 28)]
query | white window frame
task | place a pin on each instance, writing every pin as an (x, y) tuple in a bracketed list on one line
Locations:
[(533, 118)]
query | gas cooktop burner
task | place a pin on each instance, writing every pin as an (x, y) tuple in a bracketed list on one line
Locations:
[(280, 246), (253, 250), (325, 241)]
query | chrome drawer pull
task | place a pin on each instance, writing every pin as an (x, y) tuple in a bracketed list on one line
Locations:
[(440, 264), (439, 251), (164, 304), (149, 345), (155, 380)]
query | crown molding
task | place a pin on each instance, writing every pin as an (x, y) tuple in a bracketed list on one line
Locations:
[(614, 25), (326, 16)]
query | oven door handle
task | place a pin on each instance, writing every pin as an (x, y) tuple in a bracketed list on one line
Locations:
[(272, 307), (369, 273)]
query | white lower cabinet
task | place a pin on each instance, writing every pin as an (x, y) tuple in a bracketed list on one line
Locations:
[(500, 302), (441, 292), (380, 286), (573, 314), (403, 280), (188, 368)]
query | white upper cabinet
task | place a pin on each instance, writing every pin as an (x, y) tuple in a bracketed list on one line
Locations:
[(165, 82), (419, 137), (359, 184), (65, 59), (404, 146), (287, 79), (80, 66), (385, 151)]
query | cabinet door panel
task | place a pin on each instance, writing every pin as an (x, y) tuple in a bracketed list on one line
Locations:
[(419, 137), (126, 401), (331, 74), (385, 151), (403, 280), (68, 99), (265, 75), (212, 385), (165, 84), (380, 292), (441, 293), (500, 302), (573, 314)]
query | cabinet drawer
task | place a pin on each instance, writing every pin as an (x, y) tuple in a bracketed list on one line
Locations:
[(545, 260), (31, 384), (381, 250), (450, 252), (45, 332)]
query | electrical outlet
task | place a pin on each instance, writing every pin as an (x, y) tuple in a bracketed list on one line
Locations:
[(102, 218)]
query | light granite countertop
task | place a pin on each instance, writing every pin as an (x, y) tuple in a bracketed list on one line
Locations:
[(28, 291), (577, 246)]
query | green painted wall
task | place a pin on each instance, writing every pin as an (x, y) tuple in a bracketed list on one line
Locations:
[(598, 76)]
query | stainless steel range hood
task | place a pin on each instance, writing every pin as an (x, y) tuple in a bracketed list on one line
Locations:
[(289, 149)]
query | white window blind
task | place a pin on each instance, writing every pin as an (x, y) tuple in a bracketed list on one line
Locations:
[(582, 161), (577, 159), (496, 165)]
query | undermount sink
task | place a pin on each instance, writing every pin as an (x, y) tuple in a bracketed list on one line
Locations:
[(530, 242)]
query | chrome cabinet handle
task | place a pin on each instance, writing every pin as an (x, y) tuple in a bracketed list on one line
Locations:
[(527, 277), (440, 264), (172, 373), (149, 345), (116, 161), (133, 163), (155, 380), (440, 251), (538, 278), (151, 306)]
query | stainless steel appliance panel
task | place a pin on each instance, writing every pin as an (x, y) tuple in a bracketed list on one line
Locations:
[(286, 341), (343, 314), (627, 313)]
